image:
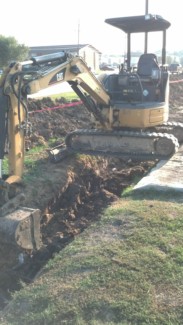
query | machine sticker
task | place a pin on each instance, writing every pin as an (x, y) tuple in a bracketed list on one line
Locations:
[(58, 77)]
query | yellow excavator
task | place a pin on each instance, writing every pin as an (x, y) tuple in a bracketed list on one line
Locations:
[(129, 109)]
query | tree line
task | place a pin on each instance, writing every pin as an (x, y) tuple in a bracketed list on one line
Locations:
[(11, 50)]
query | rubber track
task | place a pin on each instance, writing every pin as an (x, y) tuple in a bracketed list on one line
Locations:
[(130, 155), (170, 128)]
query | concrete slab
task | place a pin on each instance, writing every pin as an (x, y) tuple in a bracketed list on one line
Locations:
[(167, 175)]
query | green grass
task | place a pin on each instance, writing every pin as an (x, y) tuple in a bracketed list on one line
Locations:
[(31, 162), (68, 96), (125, 270), (33, 159)]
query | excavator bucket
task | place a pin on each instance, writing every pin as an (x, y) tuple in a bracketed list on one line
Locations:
[(21, 228)]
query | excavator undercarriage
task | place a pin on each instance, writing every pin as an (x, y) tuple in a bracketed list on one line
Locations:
[(136, 145), (130, 145)]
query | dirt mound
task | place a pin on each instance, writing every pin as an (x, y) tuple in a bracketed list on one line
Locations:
[(176, 98), (54, 119)]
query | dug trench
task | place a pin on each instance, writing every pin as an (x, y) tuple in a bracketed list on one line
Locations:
[(90, 186), (71, 194)]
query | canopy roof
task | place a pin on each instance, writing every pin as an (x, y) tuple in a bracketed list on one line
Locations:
[(139, 24)]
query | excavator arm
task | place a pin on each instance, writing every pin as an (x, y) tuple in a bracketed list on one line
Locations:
[(18, 81), (29, 77)]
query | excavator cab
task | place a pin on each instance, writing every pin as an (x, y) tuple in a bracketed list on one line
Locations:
[(144, 92), (148, 83)]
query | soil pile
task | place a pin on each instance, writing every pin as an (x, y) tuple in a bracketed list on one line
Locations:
[(176, 98)]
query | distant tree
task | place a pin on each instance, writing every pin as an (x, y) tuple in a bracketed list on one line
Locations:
[(10, 51)]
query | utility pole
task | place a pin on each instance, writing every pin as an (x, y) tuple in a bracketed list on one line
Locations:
[(78, 34), (146, 34)]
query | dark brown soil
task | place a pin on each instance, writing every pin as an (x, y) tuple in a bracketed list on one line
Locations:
[(70, 194)]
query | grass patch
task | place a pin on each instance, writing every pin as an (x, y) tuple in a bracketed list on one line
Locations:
[(68, 96), (5, 166), (33, 159), (36, 157), (127, 269)]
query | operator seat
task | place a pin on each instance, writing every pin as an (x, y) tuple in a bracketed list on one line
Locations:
[(148, 66), (150, 77)]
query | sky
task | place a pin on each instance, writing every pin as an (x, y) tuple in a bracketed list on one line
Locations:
[(58, 22)]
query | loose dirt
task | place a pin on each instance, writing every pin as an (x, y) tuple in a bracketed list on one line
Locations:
[(71, 194)]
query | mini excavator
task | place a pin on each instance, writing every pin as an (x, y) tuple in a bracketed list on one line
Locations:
[(130, 112)]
